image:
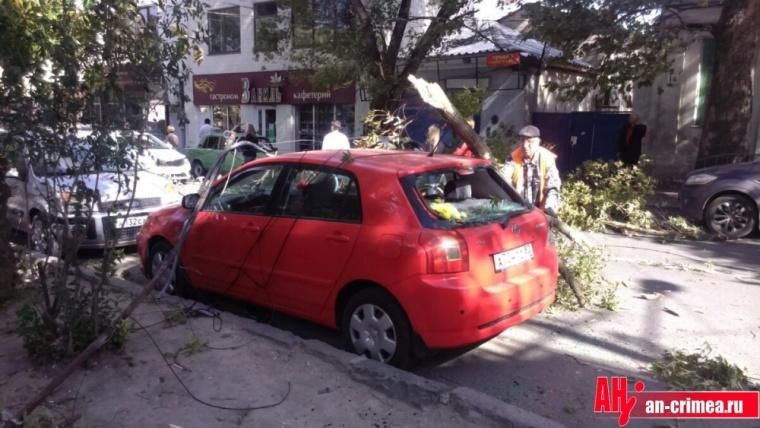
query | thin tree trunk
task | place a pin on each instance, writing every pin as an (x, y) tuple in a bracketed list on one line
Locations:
[(729, 107), (7, 259)]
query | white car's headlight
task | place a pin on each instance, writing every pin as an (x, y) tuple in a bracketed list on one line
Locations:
[(700, 179)]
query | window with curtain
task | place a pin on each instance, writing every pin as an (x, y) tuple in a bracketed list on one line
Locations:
[(314, 22), (265, 26), (224, 30)]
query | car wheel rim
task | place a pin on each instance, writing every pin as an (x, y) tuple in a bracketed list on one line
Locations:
[(155, 265), (198, 170), (731, 217), (39, 236), (373, 333)]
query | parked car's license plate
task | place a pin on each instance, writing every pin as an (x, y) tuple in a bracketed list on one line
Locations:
[(124, 223), (513, 257)]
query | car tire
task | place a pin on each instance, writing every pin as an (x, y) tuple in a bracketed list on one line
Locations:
[(375, 325), (732, 216), (197, 170), (42, 238), (158, 253)]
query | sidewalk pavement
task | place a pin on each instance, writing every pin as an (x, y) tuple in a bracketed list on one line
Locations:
[(240, 364)]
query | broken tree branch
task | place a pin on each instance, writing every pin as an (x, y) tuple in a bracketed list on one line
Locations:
[(631, 228), (432, 94)]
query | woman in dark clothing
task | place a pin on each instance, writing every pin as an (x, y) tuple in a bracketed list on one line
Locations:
[(262, 144), (629, 144)]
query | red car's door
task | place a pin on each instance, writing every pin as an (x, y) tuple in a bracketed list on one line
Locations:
[(326, 207), (229, 228)]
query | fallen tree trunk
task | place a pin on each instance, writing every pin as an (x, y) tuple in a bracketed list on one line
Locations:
[(432, 94)]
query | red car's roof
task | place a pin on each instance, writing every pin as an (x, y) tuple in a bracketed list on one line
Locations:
[(389, 161)]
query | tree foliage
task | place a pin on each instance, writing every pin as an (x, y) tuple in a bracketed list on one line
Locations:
[(66, 62), (377, 42), (623, 39)]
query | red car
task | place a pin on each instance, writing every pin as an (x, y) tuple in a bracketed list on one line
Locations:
[(397, 249)]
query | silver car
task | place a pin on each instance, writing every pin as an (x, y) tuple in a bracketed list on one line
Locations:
[(38, 195)]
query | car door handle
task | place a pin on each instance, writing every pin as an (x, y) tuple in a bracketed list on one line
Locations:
[(339, 237)]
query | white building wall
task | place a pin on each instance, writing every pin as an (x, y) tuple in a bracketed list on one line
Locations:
[(243, 62)]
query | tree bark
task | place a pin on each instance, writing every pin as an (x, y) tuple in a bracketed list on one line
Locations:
[(729, 107), (432, 94), (7, 258)]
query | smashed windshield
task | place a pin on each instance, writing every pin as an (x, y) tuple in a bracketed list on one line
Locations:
[(471, 196)]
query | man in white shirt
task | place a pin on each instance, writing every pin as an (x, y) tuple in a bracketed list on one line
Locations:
[(335, 140), (205, 130)]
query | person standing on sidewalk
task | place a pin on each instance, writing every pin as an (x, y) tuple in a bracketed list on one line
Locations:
[(335, 140), (205, 130), (629, 143), (171, 137), (533, 173)]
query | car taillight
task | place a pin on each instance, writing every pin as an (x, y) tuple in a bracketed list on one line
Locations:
[(446, 251)]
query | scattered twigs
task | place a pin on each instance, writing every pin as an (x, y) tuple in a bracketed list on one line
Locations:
[(636, 229)]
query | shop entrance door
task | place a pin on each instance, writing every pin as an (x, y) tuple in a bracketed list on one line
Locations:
[(265, 121)]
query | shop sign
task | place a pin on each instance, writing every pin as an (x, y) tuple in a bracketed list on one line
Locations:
[(264, 88), (503, 60), (260, 95)]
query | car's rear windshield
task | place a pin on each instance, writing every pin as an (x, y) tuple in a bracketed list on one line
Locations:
[(462, 197)]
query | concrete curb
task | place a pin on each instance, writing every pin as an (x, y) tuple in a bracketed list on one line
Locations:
[(472, 405)]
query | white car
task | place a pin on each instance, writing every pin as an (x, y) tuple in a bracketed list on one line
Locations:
[(158, 156), (40, 190)]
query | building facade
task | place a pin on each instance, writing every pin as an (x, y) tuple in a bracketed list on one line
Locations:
[(243, 81), (673, 108)]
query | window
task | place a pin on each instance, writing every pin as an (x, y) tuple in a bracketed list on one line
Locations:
[(224, 30), (265, 26), (250, 192), (226, 117), (314, 122), (314, 22), (705, 80), (213, 142), (466, 196), (323, 194)]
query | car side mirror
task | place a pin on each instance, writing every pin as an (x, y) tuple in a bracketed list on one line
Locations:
[(190, 201)]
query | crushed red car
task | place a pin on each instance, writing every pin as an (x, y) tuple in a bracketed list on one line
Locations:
[(396, 249)]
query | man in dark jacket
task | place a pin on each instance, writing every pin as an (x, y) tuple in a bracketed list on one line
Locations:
[(629, 143)]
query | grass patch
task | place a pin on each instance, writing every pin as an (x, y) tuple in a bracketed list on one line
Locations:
[(176, 317), (194, 346), (700, 371)]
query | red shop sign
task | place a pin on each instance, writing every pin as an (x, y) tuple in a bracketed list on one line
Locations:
[(503, 60), (266, 87)]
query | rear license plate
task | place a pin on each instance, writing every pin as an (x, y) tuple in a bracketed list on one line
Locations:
[(130, 222), (513, 257)]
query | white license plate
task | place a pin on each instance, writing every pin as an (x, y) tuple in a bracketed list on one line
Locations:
[(123, 223), (513, 257)]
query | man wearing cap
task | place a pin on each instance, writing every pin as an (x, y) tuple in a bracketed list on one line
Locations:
[(335, 140), (533, 171)]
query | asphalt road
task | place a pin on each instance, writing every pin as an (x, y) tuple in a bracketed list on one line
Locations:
[(676, 296)]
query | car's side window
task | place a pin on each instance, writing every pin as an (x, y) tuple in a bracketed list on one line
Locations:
[(324, 194), (212, 142), (250, 192)]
